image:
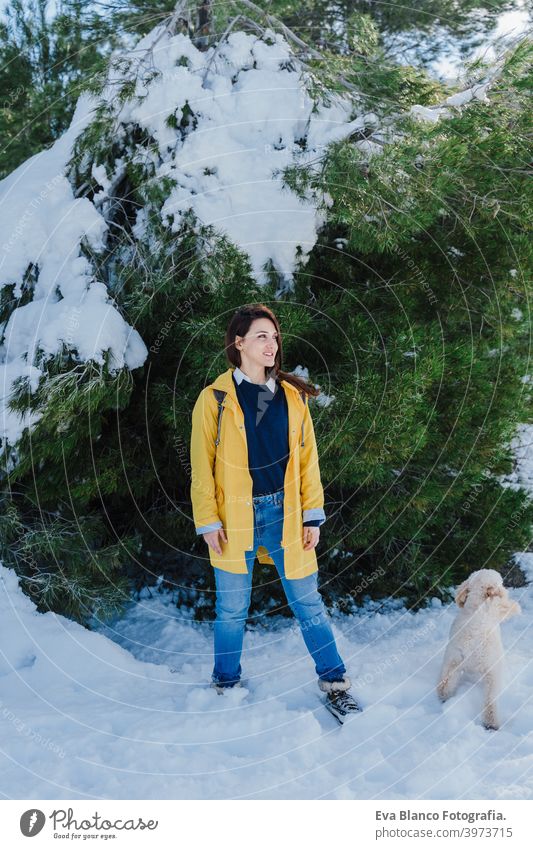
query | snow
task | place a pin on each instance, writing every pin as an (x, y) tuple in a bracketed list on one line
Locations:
[(87, 714), (42, 226), (432, 114), (522, 447), (477, 92), (253, 118), (322, 399)]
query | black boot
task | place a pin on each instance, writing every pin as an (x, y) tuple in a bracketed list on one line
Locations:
[(339, 701)]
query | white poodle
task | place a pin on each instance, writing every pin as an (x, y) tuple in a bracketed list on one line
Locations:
[(475, 646)]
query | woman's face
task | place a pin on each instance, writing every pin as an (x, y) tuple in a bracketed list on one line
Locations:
[(260, 344)]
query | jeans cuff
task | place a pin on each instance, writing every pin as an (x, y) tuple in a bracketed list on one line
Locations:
[(338, 674), (225, 680)]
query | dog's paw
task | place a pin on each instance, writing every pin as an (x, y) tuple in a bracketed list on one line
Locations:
[(443, 693), (509, 608), (490, 721)]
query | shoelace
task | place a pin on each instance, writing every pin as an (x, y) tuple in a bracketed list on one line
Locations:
[(342, 699)]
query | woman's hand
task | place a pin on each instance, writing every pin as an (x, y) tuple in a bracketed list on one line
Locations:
[(311, 536), (212, 539)]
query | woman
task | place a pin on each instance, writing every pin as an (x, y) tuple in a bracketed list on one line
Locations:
[(256, 488)]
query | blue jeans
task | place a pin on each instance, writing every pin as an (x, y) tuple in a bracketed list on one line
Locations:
[(233, 600)]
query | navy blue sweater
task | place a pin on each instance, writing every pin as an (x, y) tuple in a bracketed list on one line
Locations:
[(266, 419)]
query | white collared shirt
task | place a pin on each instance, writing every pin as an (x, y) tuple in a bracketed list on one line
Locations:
[(240, 376)]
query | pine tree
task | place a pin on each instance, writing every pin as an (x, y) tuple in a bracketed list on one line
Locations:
[(45, 61), (426, 335), (422, 30)]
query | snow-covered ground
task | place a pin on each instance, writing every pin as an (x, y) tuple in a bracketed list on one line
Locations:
[(100, 715)]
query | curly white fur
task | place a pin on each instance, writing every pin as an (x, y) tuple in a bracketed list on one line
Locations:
[(335, 686), (475, 646)]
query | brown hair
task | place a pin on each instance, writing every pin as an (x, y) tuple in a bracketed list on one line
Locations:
[(240, 324)]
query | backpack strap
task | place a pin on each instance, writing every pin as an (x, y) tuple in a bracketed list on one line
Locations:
[(219, 395)]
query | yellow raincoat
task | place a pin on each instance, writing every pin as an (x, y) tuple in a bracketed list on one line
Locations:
[(221, 487)]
